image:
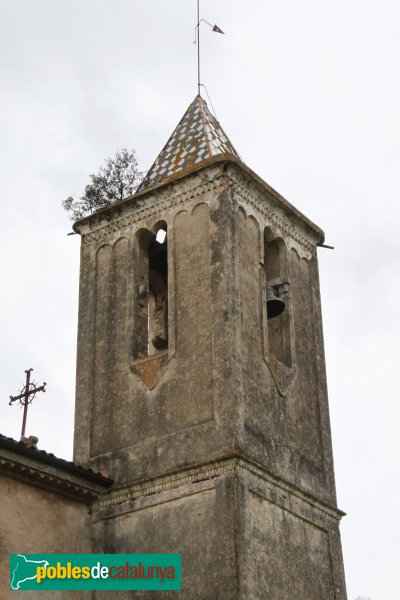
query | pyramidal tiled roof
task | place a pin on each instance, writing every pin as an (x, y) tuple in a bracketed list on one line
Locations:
[(197, 137)]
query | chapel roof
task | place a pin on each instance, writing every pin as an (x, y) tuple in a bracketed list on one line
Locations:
[(197, 137), (49, 459)]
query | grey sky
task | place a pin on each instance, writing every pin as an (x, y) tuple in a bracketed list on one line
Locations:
[(309, 94)]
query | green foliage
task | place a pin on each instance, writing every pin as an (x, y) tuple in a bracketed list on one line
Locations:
[(116, 180)]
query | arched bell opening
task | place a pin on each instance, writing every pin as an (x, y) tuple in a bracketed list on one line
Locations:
[(152, 290), (277, 298)]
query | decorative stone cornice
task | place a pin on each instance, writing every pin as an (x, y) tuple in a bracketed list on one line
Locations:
[(163, 484), (105, 226), (155, 204), (257, 206), (202, 478), (48, 481)]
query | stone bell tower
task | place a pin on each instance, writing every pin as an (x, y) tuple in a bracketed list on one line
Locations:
[(201, 378)]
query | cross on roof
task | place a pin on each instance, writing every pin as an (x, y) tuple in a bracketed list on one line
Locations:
[(26, 396)]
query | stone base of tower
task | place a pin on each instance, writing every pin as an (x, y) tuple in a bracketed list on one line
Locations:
[(242, 534)]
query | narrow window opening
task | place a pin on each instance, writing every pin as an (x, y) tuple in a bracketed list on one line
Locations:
[(158, 293), (277, 291), (152, 328)]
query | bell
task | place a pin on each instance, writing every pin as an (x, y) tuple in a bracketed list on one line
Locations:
[(275, 305), (159, 342)]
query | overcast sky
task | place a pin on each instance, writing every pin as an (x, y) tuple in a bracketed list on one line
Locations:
[(308, 91)]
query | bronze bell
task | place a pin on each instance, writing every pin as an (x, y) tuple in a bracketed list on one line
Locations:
[(275, 305), (159, 342)]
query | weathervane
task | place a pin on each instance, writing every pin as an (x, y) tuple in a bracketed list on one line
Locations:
[(197, 41), (26, 396)]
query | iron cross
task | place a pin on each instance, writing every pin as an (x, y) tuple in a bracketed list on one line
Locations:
[(26, 396)]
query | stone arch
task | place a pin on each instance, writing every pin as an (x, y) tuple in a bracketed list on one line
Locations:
[(152, 291), (276, 269)]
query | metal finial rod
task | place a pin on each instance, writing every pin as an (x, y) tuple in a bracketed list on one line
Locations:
[(198, 47), (197, 41)]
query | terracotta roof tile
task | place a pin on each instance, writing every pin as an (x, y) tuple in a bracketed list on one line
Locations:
[(50, 459)]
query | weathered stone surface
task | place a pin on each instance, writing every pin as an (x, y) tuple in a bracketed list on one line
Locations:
[(242, 533), (233, 389), (222, 387), (212, 419), (45, 508), (31, 522)]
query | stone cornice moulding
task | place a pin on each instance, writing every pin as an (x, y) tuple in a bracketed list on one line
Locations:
[(116, 502), (258, 202), (47, 481), (128, 213), (266, 215)]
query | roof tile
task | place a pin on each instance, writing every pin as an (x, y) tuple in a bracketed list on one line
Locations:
[(197, 137)]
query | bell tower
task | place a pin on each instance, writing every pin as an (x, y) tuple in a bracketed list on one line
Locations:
[(201, 380)]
